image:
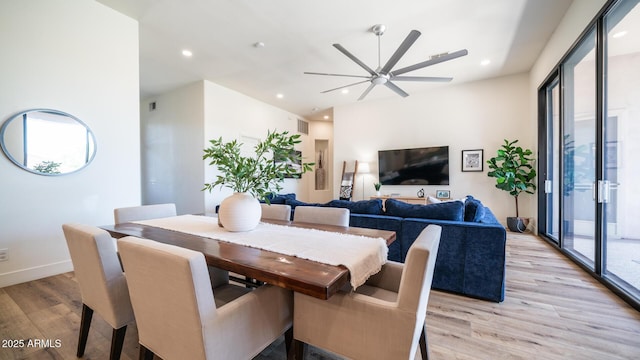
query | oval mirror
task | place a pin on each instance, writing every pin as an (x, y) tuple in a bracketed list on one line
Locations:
[(47, 142)]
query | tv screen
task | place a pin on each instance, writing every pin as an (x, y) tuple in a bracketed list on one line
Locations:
[(418, 166)]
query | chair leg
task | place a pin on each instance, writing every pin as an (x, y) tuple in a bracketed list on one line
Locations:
[(424, 348), (117, 339), (85, 323), (145, 354), (298, 349), (288, 339)]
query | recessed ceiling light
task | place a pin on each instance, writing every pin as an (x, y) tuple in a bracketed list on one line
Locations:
[(326, 117), (620, 34), (258, 44), (279, 96), (485, 62), (187, 53), (345, 91)]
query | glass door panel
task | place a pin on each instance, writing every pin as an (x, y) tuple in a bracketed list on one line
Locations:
[(553, 180), (579, 146), (621, 235)]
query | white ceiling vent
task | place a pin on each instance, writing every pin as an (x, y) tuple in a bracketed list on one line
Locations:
[(303, 127)]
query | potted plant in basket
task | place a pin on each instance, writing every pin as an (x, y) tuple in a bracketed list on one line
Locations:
[(514, 173), (252, 177)]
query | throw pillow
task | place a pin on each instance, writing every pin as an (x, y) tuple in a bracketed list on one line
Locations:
[(450, 210), (280, 198), (372, 207), (473, 209)]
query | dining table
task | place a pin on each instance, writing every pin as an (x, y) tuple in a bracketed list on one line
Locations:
[(313, 278)]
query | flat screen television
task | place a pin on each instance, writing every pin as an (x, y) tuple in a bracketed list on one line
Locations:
[(417, 166)]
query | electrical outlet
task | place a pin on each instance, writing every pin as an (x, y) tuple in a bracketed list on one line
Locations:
[(4, 254)]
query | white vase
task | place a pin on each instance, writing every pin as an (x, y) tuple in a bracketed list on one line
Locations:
[(377, 193), (240, 212)]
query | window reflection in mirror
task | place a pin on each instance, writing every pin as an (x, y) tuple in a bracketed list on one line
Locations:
[(47, 142)]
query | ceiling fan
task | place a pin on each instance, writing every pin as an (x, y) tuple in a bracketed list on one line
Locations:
[(384, 75)]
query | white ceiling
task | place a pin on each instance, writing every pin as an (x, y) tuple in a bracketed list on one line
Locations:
[(298, 36)]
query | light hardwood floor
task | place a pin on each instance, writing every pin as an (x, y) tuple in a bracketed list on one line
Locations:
[(552, 310)]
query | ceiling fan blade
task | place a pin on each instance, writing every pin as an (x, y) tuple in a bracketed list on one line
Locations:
[(422, 78), (396, 89), (366, 92), (342, 87), (354, 59), (433, 61), (328, 74), (402, 49)]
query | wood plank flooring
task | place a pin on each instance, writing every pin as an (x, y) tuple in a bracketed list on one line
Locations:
[(552, 310)]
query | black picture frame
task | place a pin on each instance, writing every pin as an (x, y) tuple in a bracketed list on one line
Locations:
[(473, 160)]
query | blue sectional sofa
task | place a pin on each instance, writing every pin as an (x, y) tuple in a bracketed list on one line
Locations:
[(471, 257)]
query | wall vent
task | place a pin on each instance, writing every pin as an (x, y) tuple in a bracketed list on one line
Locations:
[(303, 127)]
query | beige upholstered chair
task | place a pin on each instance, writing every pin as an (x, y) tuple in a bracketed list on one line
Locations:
[(176, 313), (102, 283), (143, 212), (219, 277), (321, 215), (383, 319), (276, 212)]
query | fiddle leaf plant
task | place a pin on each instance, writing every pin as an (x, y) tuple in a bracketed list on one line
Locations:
[(259, 175), (513, 170)]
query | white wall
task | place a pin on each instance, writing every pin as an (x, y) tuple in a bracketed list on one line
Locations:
[(232, 115), (82, 58), (172, 149), (476, 115)]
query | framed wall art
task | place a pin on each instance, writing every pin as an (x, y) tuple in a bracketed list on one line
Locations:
[(472, 160)]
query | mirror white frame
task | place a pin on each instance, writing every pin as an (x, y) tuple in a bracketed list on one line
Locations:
[(47, 142)]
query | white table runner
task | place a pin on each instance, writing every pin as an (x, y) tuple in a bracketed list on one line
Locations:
[(363, 256)]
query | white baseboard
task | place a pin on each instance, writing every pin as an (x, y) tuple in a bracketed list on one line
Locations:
[(35, 273)]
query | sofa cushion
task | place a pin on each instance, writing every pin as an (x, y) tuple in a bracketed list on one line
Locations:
[(280, 198), (451, 210), (371, 207), (473, 209), (293, 203)]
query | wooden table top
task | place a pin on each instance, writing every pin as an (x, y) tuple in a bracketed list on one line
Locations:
[(305, 276)]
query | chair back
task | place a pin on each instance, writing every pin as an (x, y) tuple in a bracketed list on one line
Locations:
[(322, 215), (102, 283), (171, 296), (143, 212), (276, 212), (415, 284)]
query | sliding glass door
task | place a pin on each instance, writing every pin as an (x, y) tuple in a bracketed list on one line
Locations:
[(621, 199), (579, 151), (589, 138)]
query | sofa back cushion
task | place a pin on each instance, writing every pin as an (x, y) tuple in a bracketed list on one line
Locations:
[(371, 207), (280, 198), (452, 210)]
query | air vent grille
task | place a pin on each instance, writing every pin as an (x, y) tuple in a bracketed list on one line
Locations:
[(303, 127)]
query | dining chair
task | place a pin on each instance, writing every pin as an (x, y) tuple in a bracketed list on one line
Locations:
[(276, 212), (103, 286), (121, 215), (382, 319), (177, 315), (143, 212), (321, 215)]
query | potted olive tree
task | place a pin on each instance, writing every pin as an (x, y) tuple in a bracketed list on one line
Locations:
[(252, 177), (514, 173)]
